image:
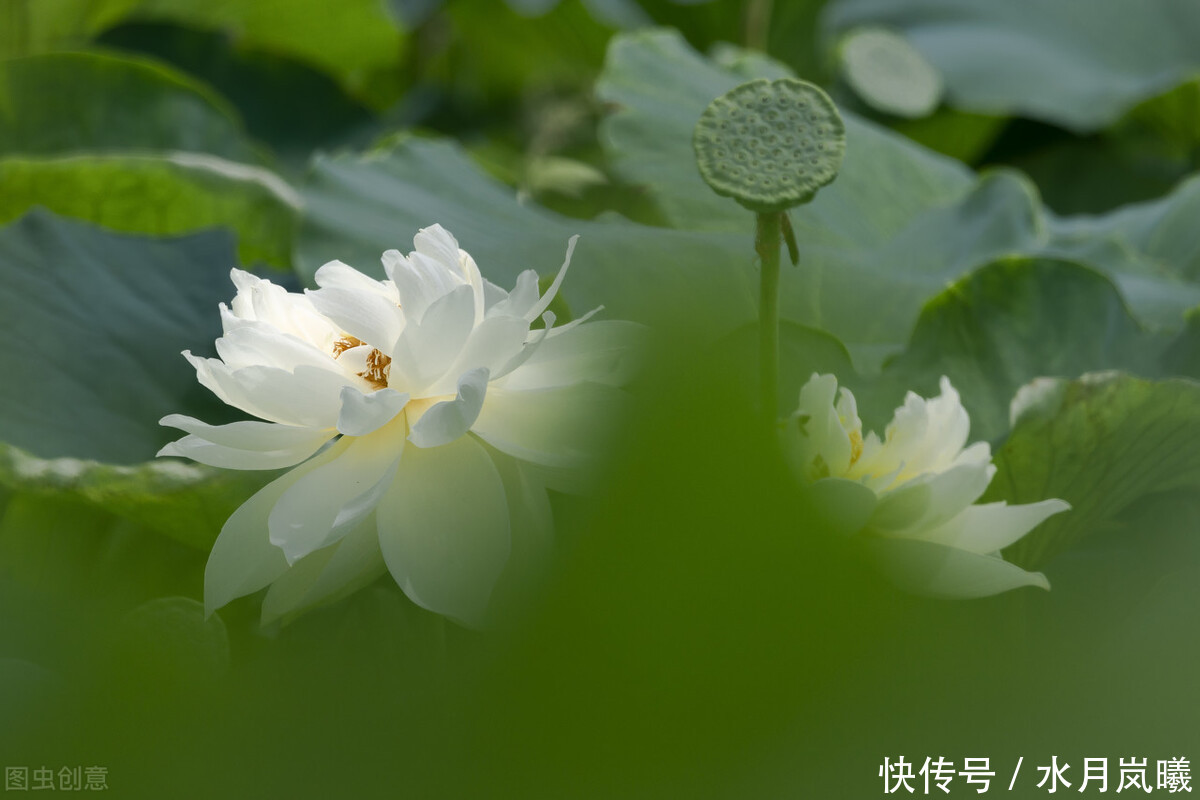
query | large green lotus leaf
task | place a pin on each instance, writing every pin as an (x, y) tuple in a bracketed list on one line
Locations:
[(1014, 320), (287, 104), (1102, 443), (1139, 157), (499, 51), (356, 41), (358, 206), (160, 195), (1150, 250), (1078, 66), (181, 500), (1166, 121), (1182, 356), (870, 294), (1161, 232), (68, 102), (37, 26), (91, 328)]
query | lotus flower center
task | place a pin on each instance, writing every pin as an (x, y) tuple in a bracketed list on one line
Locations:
[(378, 364)]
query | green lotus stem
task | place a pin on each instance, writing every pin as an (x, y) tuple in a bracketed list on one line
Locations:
[(766, 244), (758, 23)]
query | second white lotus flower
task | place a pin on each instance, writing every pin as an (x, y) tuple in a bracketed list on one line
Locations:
[(424, 418), (912, 494)]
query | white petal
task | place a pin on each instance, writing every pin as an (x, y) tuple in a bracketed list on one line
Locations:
[(260, 344), (563, 428), (246, 435), (328, 502), (364, 413), (542, 304), (243, 560), (218, 379), (491, 345), (522, 298), (931, 500), (337, 275), (818, 419), (431, 344), (307, 396), (924, 436), (978, 453), (217, 455), (439, 244), (420, 281), (533, 341), (326, 575), (356, 360), (446, 421), (949, 427), (575, 323), (934, 569), (903, 441), (291, 313), (991, 527), (847, 409), (444, 529), (470, 272), (368, 316), (493, 295), (605, 352)]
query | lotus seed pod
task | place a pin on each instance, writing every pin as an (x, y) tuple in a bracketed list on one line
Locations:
[(770, 145), (889, 74)]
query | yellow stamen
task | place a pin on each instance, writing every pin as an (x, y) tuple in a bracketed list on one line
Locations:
[(377, 369), (345, 343), (378, 364), (856, 446)]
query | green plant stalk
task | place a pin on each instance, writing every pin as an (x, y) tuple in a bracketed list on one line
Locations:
[(757, 16), (766, 244)]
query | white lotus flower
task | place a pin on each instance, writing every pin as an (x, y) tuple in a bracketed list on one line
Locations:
[(912, 493), (423, 416)]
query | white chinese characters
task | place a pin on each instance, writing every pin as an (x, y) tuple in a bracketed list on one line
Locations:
[(901, 776)]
